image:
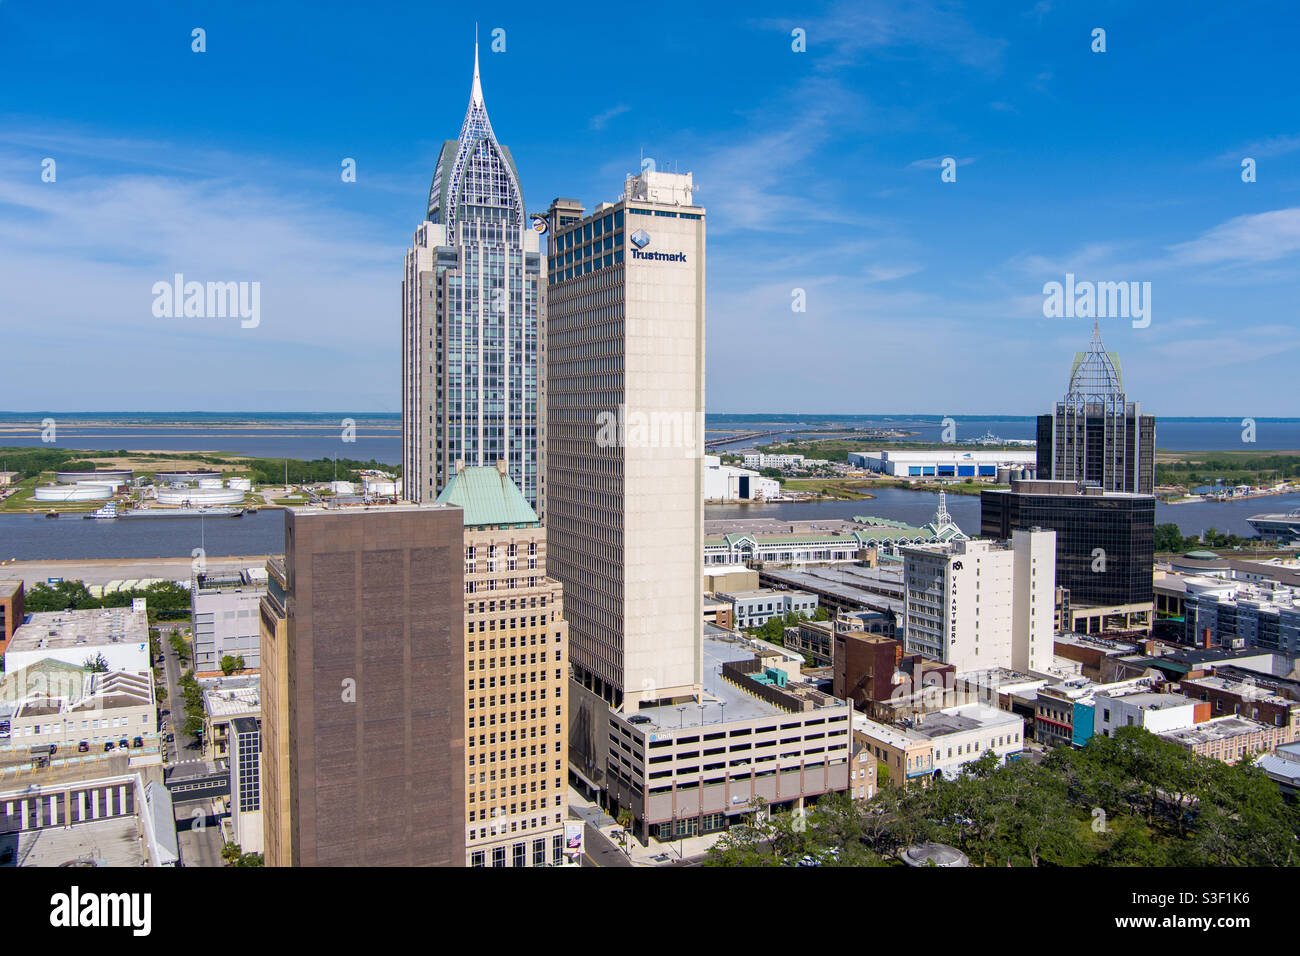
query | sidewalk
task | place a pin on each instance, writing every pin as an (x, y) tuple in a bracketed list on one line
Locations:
[(654, 853)]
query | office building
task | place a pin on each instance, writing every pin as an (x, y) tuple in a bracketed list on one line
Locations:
[(1105, 547), (11, 610), (962, 735), (904, 757), (117, 637), (872, 671), (1229, 739), (1065, 712), (224, 609), (226, 699), (363, 689), (471, 321), (756, 608), (689, 768), (625, 414), (978, 604), (246, 783), (729, 483), (516, 673), (117, 820), (76, 710), (932, 463), (1235, 695), (1095, 435), (762, 460), (1239, 614)]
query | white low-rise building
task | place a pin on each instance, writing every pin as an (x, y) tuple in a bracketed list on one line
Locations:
[(958, 463), (1154, 712), (729, 483), (961, 735), (756, 608), (760, 460), (120, 635), (66, 705)]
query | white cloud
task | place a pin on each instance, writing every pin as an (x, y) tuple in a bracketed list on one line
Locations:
[(1259, 237), (600, 120)]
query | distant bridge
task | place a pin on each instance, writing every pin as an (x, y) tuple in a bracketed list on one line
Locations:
[(746, 436)]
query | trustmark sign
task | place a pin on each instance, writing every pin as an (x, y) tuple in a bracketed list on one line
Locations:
[(641, 239), (659, 256)]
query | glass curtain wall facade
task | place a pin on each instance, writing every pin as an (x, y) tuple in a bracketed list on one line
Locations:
[(471, 364), (1121, 525)]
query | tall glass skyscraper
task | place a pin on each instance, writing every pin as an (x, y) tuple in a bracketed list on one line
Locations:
[(471, 311), (1096, 435)]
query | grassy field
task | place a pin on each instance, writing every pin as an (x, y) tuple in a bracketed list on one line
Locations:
[(856, 488), (848, 489), (21, 501)]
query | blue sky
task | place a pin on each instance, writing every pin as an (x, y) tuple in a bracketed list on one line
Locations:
[(819, 170)]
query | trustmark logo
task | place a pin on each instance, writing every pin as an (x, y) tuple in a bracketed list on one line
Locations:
[(641, 239)]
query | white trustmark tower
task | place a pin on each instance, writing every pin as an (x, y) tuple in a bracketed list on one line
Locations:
[(625, 344)]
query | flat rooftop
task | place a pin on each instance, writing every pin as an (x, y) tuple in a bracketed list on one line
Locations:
[(721, 646), (232, 702), (887, 734), (111, 842), (1145, 700), (956, 720), (312, 509), (70, 629), (1238, 686), (849, 583), (740, 705), (1220, 728)]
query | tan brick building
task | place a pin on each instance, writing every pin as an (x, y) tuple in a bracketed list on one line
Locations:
[(516, 670)]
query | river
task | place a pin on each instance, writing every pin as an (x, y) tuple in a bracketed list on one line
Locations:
[(35, 537)]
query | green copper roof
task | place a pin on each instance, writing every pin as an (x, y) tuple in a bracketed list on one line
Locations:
[(488, 497)]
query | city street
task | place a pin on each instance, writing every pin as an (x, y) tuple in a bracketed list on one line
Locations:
[(198, 834), (183, 754), (599, 850)]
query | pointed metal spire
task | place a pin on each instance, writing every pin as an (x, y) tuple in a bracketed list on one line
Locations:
[(476, 91)]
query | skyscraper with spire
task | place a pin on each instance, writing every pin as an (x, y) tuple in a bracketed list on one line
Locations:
[(471, 316), (1095, 435)]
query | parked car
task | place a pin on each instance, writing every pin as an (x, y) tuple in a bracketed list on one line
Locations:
[(82, 747), (137, 741), (108, 745), (124, 743)]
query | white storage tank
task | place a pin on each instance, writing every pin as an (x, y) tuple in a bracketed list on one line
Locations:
[(240, 484), (80, 492), (343, 487)]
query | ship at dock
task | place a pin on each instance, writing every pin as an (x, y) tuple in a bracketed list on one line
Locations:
[(215, 512)]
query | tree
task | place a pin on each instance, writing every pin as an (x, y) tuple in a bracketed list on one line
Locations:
[(230, 664), (97, 664), (193, 725), (1169, 537)]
